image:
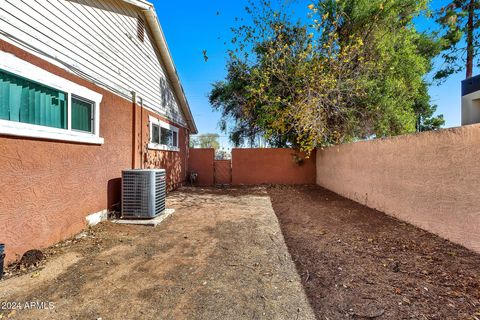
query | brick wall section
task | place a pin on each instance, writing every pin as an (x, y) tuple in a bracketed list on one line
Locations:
[(201, 162), (49, 187), (431, 180), (271, 166)]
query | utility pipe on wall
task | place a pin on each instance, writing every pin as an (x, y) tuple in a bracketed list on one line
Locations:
[(142, 152), (134, 127)]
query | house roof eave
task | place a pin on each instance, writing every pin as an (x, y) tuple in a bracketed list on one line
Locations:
[(154, 24)]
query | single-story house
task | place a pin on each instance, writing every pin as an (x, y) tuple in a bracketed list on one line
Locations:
[(88, 88)]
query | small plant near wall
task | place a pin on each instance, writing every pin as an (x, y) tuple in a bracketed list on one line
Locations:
[(297, 159)]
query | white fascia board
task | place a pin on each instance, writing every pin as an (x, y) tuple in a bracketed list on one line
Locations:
[(145, 5)]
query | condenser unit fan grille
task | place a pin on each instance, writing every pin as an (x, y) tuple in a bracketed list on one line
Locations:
[(143, 193)]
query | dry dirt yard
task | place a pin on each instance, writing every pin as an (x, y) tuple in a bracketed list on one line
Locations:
[(358, 263), (222, 255)]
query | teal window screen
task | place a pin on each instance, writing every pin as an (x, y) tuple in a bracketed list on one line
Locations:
[(22, 100), (82, 114)]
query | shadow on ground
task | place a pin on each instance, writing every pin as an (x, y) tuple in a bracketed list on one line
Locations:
[(358, 263), (220, 256)]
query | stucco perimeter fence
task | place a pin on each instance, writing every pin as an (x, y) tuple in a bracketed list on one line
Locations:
[(431, 180), (272, 166), (257, 166)]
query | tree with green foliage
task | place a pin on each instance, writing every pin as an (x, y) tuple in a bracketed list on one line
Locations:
[(207, 140), (461, 39), (352, 69), (424, 113)]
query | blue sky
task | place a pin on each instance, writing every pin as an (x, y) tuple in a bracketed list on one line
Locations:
[(193, 26)]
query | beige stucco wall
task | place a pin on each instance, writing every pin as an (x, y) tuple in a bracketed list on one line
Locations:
[(431, 180)]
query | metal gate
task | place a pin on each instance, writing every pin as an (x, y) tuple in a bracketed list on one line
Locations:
[(222, 171)]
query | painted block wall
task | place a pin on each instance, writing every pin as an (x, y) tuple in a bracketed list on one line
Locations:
[(255, 167), (431, 180), (271, 166)]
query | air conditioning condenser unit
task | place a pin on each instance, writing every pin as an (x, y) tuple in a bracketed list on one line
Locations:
[(143, 193)]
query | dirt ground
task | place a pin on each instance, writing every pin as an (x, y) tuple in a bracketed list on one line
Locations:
[(225, 255), (358, 263), (220, 256)]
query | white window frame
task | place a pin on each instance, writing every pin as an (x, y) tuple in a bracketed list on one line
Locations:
[(22, 68), (162, 124)]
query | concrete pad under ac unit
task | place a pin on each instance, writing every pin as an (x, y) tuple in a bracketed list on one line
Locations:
[(147, 222)]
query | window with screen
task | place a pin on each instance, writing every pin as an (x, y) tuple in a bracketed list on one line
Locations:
[(38, 104), (26, 101), (163, 136), (82, 114)]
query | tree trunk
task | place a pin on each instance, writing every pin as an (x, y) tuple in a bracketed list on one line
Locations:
[(470, 49)]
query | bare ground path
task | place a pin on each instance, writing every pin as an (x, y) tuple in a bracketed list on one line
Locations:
[(221, 256), (358, 263)]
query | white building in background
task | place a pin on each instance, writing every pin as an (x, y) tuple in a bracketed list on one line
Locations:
[(471, 101)]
